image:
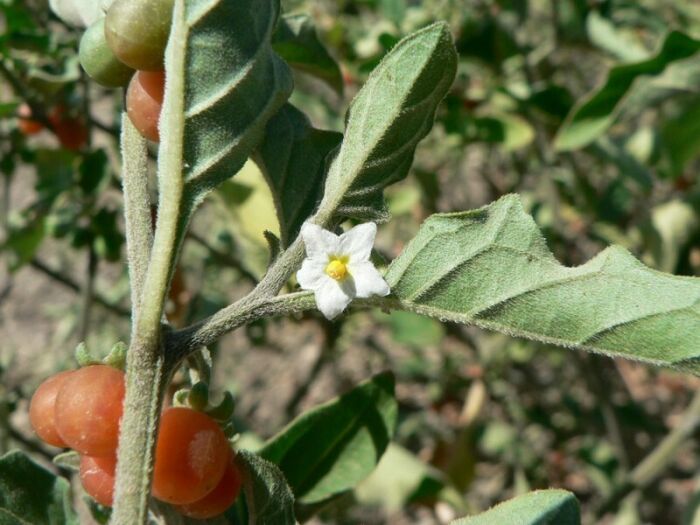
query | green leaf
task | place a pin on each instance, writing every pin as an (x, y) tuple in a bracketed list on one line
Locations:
[(491, 267), (681, 137), (31, 495), (22, 243), (296, 41), (415, 330), (332, 447), (269, 500), (606, 36), (392, 112), (595, 113), (541, 507), (234, 83), (400, 479), (293, 159)]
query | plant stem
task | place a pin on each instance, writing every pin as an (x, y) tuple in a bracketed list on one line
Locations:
[(137, 209), (658, 460), (88, 293), (147, 375)]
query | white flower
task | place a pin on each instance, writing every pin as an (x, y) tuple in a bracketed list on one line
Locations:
[(337, 268)]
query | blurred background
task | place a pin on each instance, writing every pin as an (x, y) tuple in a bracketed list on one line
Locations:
[(588, 109)]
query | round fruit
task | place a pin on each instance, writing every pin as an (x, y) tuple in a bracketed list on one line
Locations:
[(88, 409), (99, 61), (71, 131), (219, 499), (191, 456), (138, 30), (144, 99), (26, 124), (97, 477), (41, 409)]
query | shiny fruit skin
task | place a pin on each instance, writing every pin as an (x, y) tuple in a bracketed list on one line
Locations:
[(42, 409), (25, 123), (97, 478), (137, 32), (89, 406), (219, 499), (70, 131), (98, 60), (192, 454), (144, 100)]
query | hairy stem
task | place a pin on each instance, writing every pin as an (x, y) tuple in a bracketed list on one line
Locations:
[(147, 375), (137, 209)]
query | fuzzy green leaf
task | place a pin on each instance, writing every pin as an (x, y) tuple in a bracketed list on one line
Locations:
[(296, 41), (392, 112), (346, 436), (293, 159), (30, 494), (234, 83), (491, 267), (596, 113), (269, 500), (541, 507)]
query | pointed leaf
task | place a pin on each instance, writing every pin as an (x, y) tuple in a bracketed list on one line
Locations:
[(595, 114), (392, 112), (293, 159), (296, 41), (491, 267), (31, 494), (269, 500), (233, 83), (541, 507), (331, 448)]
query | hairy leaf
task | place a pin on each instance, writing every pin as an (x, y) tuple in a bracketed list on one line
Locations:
[(392, 112), (296, 41), (292, 158), (30, 494), (541, 507), (595, 113), (491, 267), (331, 448), (269, 500), (234, 83)]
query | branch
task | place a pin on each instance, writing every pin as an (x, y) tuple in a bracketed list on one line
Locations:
[(137, 208), (72, 285), (659, 458)]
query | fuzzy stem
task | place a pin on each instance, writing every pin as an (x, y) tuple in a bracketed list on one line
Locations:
[(147, 375)]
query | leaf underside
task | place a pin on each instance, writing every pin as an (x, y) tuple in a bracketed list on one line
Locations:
[(234, 83), (269, 500), (492, 267), (541, 507), (392, 112)]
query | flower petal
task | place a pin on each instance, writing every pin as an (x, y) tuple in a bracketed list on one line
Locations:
[(368, 280), (311, 273), (319, 242), (358, 241), (332, 297)]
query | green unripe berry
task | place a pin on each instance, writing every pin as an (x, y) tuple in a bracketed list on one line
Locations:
[(138, 30), (99, 61)]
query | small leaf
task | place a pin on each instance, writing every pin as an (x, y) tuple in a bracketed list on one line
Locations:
[(392, 112), (595, 114), (234, 83), (541, 507), (491, 267), (269, 500), (332, 447), (296, 41), (31, 494), (69, 460), (293, 159)]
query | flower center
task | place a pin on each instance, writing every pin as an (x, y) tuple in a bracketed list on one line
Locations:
[(337, 268)]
